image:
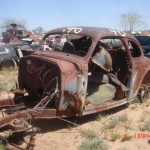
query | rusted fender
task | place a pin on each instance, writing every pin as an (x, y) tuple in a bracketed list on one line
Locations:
[(8, 102)]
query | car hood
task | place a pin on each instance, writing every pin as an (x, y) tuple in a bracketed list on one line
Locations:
[(66, 62)]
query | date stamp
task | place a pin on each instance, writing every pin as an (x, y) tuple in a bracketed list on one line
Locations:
[(142, 136), (138, 136)]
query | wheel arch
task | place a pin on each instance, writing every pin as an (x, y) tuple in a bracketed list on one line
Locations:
[(146, 78), (136, 82)]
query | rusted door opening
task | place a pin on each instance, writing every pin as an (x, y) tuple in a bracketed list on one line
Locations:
[(109, 69)]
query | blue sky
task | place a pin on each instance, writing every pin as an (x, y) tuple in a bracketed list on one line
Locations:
[(57, 13)]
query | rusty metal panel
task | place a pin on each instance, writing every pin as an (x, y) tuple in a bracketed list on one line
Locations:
[(60, 84)]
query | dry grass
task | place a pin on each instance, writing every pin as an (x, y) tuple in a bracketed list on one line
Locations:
[(92, 141), (105, 129), (2, 146), (144, 124), (8, 78)]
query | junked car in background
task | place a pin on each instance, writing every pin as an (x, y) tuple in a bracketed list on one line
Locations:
[(32, 42), (97, 69), (145, 43), (11, 53)]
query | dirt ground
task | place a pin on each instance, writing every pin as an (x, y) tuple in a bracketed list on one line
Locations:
[(122, 128), (57, 134)]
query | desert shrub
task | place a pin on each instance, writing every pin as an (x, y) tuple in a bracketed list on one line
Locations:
[(145, 126), (110, 125), (114, 136), (134, 106), (123, 118), (99, 117), (88, 133), (93, 144)]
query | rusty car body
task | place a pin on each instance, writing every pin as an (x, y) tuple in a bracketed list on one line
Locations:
[(96, 69), (13, 33)]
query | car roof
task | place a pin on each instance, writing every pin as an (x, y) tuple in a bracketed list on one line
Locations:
[(12, 44), (144, 40), (90, 31), (9, 45)]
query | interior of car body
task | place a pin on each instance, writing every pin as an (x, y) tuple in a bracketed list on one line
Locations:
[(109, 70)]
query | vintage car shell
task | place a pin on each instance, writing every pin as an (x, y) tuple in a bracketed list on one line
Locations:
[(57, 83)]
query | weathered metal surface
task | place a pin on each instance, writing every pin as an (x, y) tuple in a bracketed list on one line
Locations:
[(58, 84), (103, 60), (8, 102), (91, 109), (73, 66), (15, 122)]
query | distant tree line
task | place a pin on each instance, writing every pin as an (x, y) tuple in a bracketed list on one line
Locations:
[(129, 22)]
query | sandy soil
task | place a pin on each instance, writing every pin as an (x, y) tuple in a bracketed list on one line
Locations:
[(60, 135), (57, 134)]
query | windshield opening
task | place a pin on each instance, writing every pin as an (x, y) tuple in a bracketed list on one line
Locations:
[(68, 43)]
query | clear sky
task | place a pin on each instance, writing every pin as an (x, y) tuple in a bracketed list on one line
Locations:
[(57, 13)]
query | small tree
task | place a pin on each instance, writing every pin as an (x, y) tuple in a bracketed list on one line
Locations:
[(38, 31), (131, 21), (5, 23)]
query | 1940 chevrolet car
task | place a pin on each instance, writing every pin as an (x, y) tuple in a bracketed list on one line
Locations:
[(94, 70)]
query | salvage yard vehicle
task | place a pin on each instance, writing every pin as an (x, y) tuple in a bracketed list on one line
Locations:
[(97, 69), (10, 54), (145, 42)]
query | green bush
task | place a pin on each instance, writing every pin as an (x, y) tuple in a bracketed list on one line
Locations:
[(93, 144)]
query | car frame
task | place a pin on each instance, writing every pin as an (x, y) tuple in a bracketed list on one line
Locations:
[(61, 80)]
